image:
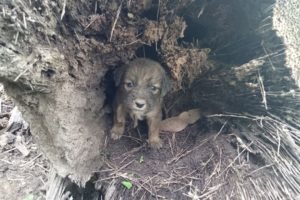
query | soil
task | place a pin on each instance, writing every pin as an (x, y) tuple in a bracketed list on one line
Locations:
[(21, 177), (196, 163)]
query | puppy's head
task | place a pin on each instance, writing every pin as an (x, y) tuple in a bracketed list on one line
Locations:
[(143, 83)]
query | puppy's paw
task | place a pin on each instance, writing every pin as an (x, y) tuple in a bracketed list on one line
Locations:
[(116, 132), (155, 143)]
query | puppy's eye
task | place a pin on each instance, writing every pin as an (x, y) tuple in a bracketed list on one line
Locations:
[(154, 89), (128, 85)]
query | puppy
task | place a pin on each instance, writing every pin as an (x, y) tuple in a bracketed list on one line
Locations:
[(141, 86)]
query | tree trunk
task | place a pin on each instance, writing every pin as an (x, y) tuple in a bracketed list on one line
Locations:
[(54, 56)]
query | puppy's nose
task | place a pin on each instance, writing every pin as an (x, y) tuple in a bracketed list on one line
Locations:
[(140, 103)]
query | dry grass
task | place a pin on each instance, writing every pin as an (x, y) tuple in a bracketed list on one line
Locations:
[(115, 21), (265, 137), (177, 177), (277, 143)]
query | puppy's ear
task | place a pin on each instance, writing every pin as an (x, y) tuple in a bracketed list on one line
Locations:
[(118, 74), (166, 84)]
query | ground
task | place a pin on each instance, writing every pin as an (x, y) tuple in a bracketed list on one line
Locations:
[(22, 177), (198, 162), (207, 160)]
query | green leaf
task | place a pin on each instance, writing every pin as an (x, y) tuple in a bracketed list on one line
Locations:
[(127, 184), (29, 197), (141, 159)]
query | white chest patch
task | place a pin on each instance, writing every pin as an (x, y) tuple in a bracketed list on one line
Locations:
[(139, 115)]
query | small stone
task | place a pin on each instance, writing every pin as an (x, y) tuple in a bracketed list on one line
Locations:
[(130, 15)]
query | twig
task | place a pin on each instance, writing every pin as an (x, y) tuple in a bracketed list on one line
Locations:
[(24, 20), (268, 55), (208, 180), (262, 90), (158, 11), (63, 10), (278, 147), (220, 131), (21, 74), (234, 160), (202, 9), (12, 149), (96, 7), (105, 142), (233, 115), (263, 167), (211, 190), (3, 160), (117, 170), (138, 184), (115, 22), (17, 36), (145, 182), (92, 21), (47, 38), (126, 165), (171, 146), (32, 160), (124, 159), (3, 12), (42, 167), (183, 154), (77, 36)]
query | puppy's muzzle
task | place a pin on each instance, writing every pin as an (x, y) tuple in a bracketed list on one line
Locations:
[(139, 104)]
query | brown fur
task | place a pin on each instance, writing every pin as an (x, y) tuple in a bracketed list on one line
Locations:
[(141, 87)]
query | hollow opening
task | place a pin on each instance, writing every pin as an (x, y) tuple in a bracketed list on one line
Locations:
[(238, 33), (231, 29)]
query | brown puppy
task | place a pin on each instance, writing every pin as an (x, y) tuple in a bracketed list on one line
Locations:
[(141, 87)]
